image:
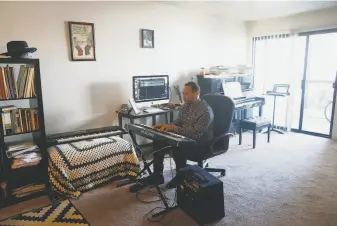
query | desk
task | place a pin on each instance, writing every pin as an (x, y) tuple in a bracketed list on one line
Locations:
[(132, 116)]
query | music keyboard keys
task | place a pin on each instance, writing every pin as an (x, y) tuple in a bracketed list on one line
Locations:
[(153, 134)]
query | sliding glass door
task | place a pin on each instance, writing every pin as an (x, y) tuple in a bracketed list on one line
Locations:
[(316, 53)]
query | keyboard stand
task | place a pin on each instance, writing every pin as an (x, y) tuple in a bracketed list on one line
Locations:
[(147, 168)]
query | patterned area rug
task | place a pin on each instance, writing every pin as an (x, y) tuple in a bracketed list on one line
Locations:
[(61, 214)]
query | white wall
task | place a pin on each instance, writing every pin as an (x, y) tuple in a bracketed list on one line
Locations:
[(310, 21), (86, 94)]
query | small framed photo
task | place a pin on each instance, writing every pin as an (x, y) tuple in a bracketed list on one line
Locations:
[(82, 41), (147, 38)]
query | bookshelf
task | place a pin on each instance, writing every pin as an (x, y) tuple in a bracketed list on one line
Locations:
[(26, 125)]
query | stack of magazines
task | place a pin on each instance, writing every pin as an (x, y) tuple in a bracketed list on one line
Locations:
[(23, 155)]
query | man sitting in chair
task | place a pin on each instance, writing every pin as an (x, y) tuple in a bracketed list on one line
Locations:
[(195, 120)]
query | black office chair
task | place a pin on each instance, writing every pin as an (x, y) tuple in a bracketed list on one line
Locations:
[(223, 110)]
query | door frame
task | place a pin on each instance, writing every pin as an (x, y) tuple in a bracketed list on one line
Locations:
[(303, 86)]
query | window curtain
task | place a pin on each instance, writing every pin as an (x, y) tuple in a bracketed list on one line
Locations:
[(272, 64)]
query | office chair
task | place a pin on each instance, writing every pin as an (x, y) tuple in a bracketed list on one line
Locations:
[(223, 110)]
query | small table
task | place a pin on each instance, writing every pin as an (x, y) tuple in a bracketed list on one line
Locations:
[(132, 116)]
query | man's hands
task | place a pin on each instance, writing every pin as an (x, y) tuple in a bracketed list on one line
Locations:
[(168, 128), (158, 126), (165, 128)]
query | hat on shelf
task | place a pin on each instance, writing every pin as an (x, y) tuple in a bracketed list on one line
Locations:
[(18, 48)]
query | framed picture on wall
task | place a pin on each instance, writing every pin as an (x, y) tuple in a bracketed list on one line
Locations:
[(147, 38), (82, 41)]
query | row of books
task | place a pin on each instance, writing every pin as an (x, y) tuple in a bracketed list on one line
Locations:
[(19, 120), (14, 87)]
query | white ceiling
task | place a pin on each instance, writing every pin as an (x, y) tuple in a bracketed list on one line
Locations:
[(254, 10)]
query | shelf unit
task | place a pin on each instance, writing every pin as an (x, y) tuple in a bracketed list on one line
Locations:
[(15, 178)]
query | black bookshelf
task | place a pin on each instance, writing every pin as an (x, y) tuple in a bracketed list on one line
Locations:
[(15, 178)]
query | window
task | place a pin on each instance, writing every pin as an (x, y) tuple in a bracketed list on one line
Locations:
[(272, 58)]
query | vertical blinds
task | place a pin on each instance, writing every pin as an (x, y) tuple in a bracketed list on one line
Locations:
[(271, 37)]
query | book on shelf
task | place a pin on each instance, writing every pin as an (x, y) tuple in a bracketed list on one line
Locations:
[(19, 120), (17, 87)]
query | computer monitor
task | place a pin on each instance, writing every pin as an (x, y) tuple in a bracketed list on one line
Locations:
[(152, 88)]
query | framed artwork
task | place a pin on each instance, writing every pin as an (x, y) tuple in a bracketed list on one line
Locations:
[(147, 38), (82, 41)]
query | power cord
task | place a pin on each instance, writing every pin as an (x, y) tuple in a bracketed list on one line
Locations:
[(162, 208), (152, 192), (157, 200)]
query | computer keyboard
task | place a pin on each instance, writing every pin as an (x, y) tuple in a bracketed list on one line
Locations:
[(152, 110)]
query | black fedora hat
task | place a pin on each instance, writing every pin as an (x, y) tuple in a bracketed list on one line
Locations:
[(17, 48)]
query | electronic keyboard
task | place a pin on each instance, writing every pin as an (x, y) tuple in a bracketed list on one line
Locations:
[(249, 102), (153, 134), (62, 138)]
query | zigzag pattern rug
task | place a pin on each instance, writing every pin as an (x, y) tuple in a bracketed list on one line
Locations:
[(61, 214)]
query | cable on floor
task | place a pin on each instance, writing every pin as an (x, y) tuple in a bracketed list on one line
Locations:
[(162, 208)]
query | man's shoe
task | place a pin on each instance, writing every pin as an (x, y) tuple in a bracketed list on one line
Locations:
[(172, 183), (147, 181)]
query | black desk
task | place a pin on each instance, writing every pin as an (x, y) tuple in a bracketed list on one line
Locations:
[(132, 116)]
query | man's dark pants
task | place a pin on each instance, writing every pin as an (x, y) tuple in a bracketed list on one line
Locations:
[(180, 155)]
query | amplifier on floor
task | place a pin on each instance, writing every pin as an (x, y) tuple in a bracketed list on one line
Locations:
[(200, 195)]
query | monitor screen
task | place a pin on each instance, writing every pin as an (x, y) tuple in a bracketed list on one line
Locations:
[(150, 88)]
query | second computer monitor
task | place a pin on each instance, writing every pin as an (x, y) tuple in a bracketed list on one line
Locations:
[(152, 88)]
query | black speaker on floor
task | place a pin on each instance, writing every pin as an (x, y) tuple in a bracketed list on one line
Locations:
[(200, 195)]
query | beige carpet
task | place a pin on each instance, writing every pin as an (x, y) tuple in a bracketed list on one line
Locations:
[(290, 181)]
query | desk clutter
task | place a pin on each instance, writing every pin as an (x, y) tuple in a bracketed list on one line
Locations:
[(167, 106), (152, 109)]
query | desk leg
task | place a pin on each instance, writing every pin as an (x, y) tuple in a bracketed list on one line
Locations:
[(120, 124), (171, 116), (260, 111), (166, 119), (254, 138), (153, 120)]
